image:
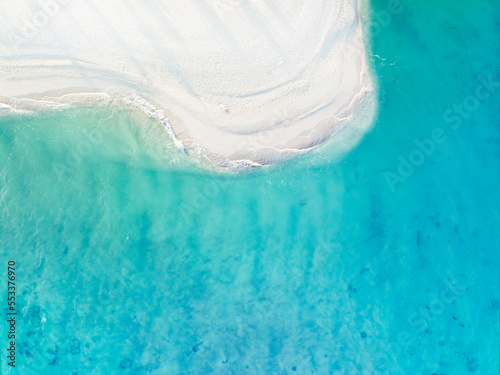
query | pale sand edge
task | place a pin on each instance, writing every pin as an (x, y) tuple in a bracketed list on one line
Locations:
[(68, 91)]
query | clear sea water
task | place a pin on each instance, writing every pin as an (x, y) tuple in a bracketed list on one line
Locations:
[(132, 260)]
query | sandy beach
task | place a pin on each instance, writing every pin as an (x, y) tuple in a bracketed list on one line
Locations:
[(241, 83)]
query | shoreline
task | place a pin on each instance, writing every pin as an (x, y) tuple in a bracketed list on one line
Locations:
[(243, 139)]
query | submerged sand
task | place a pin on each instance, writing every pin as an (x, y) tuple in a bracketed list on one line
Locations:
[(240, 82)]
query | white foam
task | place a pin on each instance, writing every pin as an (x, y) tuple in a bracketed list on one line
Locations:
[(240, 82)]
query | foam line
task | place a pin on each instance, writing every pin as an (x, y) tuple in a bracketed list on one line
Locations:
[(239, 82)]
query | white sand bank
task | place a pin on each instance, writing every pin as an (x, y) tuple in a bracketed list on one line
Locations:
[(239, 81)]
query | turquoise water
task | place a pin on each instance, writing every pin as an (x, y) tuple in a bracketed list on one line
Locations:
[(132, 260)]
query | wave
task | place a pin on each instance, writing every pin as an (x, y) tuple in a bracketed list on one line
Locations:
[(246, 85)]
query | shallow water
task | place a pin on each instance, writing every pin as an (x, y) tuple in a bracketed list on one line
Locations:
[(132, 260)]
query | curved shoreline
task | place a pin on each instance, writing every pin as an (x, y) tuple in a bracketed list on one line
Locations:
[(249, 138)]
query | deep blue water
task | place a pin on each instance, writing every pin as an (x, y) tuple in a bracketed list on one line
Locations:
[(132, 260)]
